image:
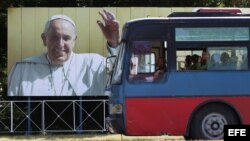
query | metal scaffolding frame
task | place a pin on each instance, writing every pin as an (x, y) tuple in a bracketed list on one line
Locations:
[(47, 116)]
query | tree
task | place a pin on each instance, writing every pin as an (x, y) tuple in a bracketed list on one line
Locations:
[(3, 52)]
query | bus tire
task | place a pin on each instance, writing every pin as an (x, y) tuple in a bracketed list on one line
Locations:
[(209, 121)]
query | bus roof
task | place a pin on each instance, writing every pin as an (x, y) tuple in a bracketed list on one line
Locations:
[(204, 14), (187, 16), (196, 15), (157, 25), (213, 9)]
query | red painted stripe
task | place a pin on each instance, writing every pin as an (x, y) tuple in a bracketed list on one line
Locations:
[(156, 116)]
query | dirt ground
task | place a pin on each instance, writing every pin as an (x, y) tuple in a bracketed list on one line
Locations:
[(90, 137)]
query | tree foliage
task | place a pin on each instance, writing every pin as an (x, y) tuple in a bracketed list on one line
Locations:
[(4, 4)]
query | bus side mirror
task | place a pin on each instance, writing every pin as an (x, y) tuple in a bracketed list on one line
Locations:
[(110, 63)]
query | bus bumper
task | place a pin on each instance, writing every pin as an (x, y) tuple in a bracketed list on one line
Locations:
[(115, 123)]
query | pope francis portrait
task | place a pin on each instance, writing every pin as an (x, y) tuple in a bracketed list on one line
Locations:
[(60, 71)]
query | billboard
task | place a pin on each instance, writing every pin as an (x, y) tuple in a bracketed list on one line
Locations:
[(51, 53)]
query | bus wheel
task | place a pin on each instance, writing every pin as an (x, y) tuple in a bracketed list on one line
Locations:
[(208, 122)]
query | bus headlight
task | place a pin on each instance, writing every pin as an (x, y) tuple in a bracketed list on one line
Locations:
[(115, 108)]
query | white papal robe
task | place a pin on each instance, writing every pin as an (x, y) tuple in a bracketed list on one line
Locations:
[(82, 74)]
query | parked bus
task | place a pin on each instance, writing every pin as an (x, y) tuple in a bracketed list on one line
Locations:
[(205, 83)]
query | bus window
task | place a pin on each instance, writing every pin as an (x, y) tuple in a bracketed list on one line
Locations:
[(146, 60), (188, 59), (212, 34), (212, 58), (183, 56), (228, 58)]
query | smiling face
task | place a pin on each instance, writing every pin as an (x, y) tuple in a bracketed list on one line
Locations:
[(59, 40)]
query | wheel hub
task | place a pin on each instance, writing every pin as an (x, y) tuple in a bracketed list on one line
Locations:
[(213, 125)]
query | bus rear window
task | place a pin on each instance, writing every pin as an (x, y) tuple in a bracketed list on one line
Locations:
[(212, 34)]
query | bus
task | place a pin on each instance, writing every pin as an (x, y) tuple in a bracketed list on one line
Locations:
[(204, 86)]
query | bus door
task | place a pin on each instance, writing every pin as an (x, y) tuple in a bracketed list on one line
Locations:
[(146, 77)]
